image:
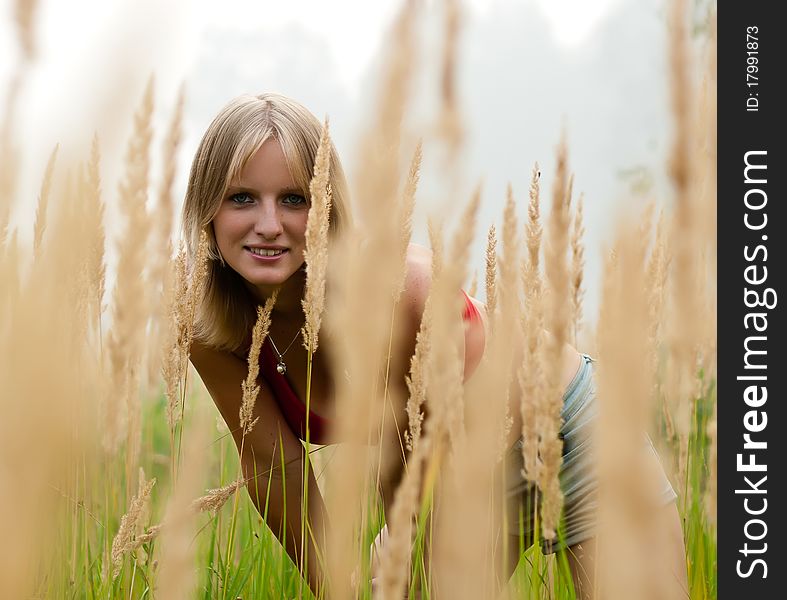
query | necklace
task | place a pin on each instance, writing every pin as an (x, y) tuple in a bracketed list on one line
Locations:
[(281, 367)]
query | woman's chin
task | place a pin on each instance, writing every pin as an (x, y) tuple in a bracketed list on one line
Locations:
[(269, 278), (266, 282)]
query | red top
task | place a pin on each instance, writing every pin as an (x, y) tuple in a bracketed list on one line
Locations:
[(471, 312), (293, 409)]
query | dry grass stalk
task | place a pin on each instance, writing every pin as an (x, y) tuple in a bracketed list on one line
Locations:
[(416, 383), (189, 283), (368, 278), (165, 202), (463, 238), (556, 322), (509, 293), (707, 136), (176, 574), (172, 361), (4, 216), (533, 233), (505, 319), (7, 184), (250, 387), (706, 203), (472, 289), (198, 276), (656, 282), (216, 497), (11, 276), (43, 200), (66, 227), (446, 399), (435, 231), (8, 171), (709, 343), (8, 162), (628, 492), (417, 380), (147, 537), (144, 516), (469, 499), (658, 263), (316, 253), (681, 98), (160, 276), (707, 140), (705, 346), (24, 17), (9, 152), (712, 490), (448, 326), (491, 271), (684, 333), (421, 365), (14, 569), (129, 307), (427, 365), (44, 306), (361, 349), (124, 540), (577, 268), (529, 375), (395, 557), (470, 570), (94, 220), (378, 148), (647, 242), (76, 205), (212, 502), (406, 208), (709, 302), (449, 126)]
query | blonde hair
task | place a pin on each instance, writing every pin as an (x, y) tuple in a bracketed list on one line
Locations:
[(227, 311)]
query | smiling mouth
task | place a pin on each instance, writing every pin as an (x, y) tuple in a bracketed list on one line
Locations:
[(264, 252)]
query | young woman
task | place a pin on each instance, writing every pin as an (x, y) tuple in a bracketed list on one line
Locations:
[(249, 188)]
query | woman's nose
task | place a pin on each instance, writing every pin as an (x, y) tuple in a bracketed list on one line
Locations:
[(268, 222)]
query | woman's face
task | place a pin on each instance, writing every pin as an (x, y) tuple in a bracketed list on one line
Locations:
[(260, 227)]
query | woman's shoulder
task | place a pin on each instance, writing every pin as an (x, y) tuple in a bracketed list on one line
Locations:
[(205, 356), (418, 279), (419, 265)]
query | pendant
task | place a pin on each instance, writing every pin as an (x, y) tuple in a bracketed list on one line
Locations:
[(281, 367)]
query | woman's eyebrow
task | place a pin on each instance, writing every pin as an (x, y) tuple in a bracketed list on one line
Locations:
[(244, 188)]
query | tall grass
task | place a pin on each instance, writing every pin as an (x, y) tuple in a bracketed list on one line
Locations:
[(105, 444)]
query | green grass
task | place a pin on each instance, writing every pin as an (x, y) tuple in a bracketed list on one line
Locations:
[(90, 514)]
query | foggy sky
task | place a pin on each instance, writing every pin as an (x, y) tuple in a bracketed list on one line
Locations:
[(518, 88)]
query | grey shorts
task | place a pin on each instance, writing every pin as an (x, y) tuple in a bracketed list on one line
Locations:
[(577, 474)]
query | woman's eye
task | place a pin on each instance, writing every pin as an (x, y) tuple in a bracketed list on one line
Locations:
[(294, 199), (240, 198)]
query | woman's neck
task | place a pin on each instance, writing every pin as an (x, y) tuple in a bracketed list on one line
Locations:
[(288, 303)]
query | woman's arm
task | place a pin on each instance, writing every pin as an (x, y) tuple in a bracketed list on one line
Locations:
[(416, 290), (412, 304), (269, 444)]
